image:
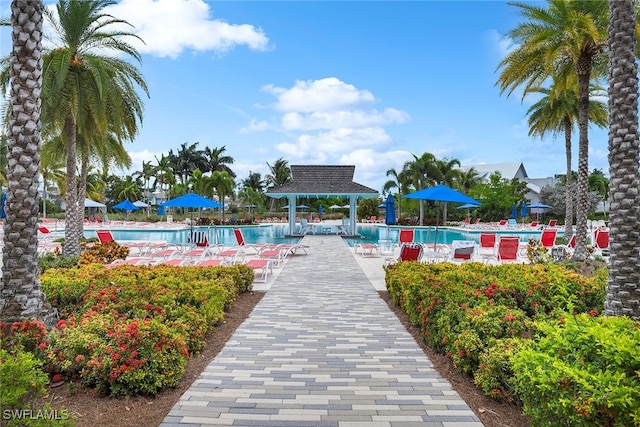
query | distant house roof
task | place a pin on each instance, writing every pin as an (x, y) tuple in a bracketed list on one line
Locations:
[(322, 181), (507, 170)]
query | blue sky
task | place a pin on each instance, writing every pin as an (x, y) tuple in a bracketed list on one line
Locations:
[(358, 82)]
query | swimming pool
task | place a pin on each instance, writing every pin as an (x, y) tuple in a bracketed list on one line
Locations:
[(275, 233)]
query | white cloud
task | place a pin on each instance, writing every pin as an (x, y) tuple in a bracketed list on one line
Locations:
[(255, 126), (341, 119), (335, 142), (326, 94), (169, 27)]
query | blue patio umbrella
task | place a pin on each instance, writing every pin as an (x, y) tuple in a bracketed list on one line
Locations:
[(540, 206), (514, 211), (320, 210), (161, 211), (3, 214), (126, 205), (523, 209), (191, 200), (468, 207), (302, 207), (441, 193)]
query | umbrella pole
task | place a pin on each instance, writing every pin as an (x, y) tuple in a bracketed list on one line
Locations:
[(435, 241)]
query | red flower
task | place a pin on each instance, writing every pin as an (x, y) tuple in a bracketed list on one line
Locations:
[(56, 378)]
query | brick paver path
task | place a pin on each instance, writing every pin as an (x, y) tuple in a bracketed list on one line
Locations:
[(321, 349)]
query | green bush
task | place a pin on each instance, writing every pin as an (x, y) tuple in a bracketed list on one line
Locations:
[(581, 371), (129, 329), (22, 382)]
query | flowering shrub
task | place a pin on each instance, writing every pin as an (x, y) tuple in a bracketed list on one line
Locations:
[(104, 253), (479, 315), (130, 329)]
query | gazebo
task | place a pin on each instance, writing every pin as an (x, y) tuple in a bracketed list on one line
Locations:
[(320, 181)]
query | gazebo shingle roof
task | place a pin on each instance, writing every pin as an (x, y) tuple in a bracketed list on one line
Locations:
[(322, 180)]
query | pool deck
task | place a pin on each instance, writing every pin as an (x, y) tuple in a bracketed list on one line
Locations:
[(322, 349)]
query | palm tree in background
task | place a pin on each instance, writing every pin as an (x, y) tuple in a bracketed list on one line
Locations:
[(280, 174), (223, 186), (467, 179), (187, 159), (557, 112), (218, 161), (20, 292), (163, 174), (447, 171), (564, 38), (420, 173), (88, 93), (623, 290)]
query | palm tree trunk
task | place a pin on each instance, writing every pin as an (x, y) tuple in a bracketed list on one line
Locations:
[(583, 69), (71, 236), (568, 222), (623, 290), (21, 296)]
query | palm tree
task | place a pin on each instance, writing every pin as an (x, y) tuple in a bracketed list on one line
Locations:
[(624, 275), (447, 171), (86, 92), (557, 112), (223, 185), (420, 173), (164, 173), (217, 161), (280, 175), (21, 295), (186, 160), (253, 181), (130, 189), (567, 37)]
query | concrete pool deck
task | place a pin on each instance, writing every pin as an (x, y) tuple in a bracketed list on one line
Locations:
[(322, 349)]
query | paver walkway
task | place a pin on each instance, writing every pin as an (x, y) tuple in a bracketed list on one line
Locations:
[(321, 349)]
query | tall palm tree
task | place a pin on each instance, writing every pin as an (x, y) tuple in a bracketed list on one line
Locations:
[(421, 172), (223, 185), (218, 161), (566, 37), (556, 113), (87, 92), (187, 159), (164, 173), (280, 174), (623, 290), (447, 171), (20, 293)]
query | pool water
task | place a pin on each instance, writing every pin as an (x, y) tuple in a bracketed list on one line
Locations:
[(275, 233)]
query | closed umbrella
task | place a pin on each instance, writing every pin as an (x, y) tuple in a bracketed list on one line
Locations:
[(320, 211), (441, 193), (3, 214), (514, 211), (523, 211)]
